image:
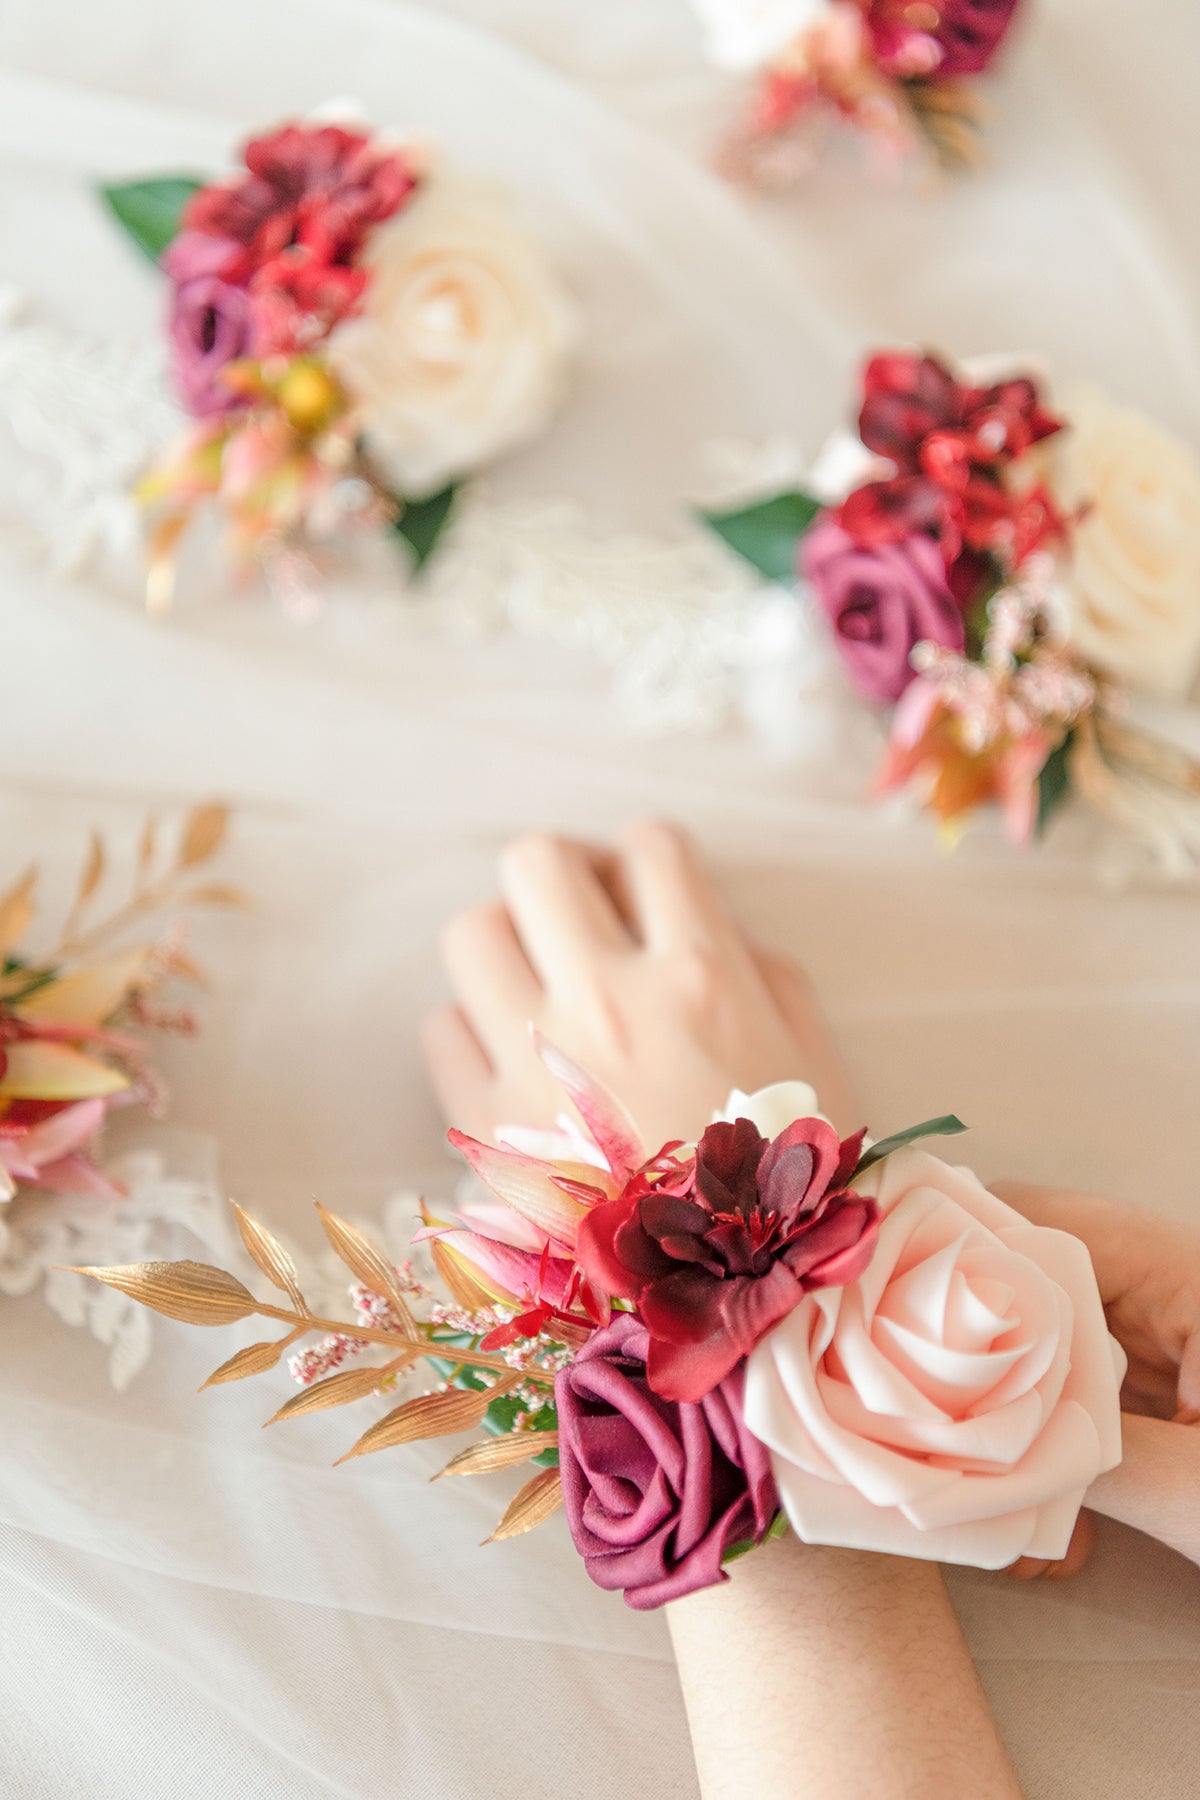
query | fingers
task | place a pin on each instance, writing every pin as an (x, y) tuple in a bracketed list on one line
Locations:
[(564, 917), (1034, 1568), (491, 977), (459, 1071), (670, 892), (1189, 1386), (820, 1062)]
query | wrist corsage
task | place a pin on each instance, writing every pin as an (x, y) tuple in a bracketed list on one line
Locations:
[(901, 72), (770, 1327), (73, 1022), (1006, 574), (352, 329)]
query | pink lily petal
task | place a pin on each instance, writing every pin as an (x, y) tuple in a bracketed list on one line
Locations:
[(511, 1274), (76, 1175), (566, 1144), (525, 1185), (605, 1118), (495, 1220), (63, 1132)]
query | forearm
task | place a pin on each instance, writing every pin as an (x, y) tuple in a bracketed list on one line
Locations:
[(819, 1672), (1156, 1485)]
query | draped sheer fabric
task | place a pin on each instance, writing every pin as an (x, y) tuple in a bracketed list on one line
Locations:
[(190, 1606)]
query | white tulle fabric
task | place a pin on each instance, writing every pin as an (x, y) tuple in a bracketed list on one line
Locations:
[(201, 1606), (956, 1402)]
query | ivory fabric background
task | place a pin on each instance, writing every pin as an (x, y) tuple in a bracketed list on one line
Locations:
[(188, 1607)]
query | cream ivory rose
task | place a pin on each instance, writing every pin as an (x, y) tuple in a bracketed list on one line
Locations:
[(1132, 590), (956, 1402), (747, 34), (462, 346)]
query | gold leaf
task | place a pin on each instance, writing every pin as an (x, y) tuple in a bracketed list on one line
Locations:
[(499, 1453), (339, 1389), (430, 1415), (89, 995), (93, 869), (466, 1292), (203, 830), (216, 893), (16, 909), (38, 1069), (197, 1293), (270, 1256), (364, 1260), (255, 1359), (535, 1503), (147, 844)]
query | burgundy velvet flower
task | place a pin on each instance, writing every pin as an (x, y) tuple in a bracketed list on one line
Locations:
[(881, 601), (655, 1490), (317, 186), (951, 444), (210, 322), (970, 33), (720, 1253), (942, 38)]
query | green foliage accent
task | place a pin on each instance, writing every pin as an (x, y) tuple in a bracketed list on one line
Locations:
[(150, 210), (1054, 783), (500, 1417), (422, 522), (766, 535), (946, 1126), (776, 1529)]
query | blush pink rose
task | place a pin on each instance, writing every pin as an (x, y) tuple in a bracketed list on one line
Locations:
[(956, 1402)]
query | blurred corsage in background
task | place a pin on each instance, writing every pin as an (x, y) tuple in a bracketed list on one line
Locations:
[(1008, 576), (900, 72), (352, 329)]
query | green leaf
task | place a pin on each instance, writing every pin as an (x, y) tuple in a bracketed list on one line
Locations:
[(775, 1530), (1054, 783), (422, 522), (500, 1417), (150, 210), (766, 535), (946, 1126)]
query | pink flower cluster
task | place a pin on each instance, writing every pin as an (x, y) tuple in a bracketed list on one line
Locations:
[(266, 264)]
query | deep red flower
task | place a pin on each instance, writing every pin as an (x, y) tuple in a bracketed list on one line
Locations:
[(730, 1245), (320, 187), (937, 38), (952, 444), (296, 300)]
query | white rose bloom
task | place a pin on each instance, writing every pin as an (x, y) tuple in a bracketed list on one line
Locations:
[(460, 351), (773, 1108), (747, 34), (1133, 585)]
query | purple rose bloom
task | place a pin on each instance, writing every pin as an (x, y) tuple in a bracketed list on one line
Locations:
[(881, 599), (210, 321), (970, 33), (655, 1490)]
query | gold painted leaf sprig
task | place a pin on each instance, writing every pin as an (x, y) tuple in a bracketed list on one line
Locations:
[(509, 1395)]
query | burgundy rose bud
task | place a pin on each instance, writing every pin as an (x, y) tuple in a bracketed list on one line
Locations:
[(655, 1491), (881, 600), (725, 1252), (970, 32), (210, 322)]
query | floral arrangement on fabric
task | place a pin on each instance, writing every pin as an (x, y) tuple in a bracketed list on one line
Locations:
[(703, 1345), (352, 330), (902, 72), (1003, 577), (73, 1021)]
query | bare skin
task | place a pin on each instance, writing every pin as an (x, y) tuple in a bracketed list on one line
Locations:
[(851, 1667)]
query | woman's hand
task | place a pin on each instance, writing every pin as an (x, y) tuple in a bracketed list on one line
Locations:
[(1148, 1272), (630, 962)]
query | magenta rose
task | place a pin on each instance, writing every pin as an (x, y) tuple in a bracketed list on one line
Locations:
[(881, 600), (970, 33), (655, 1490), (210, 321)]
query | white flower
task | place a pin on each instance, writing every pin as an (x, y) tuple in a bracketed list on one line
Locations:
[(460, 351), (773, 1108), (748, 34), (1133, 587)]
